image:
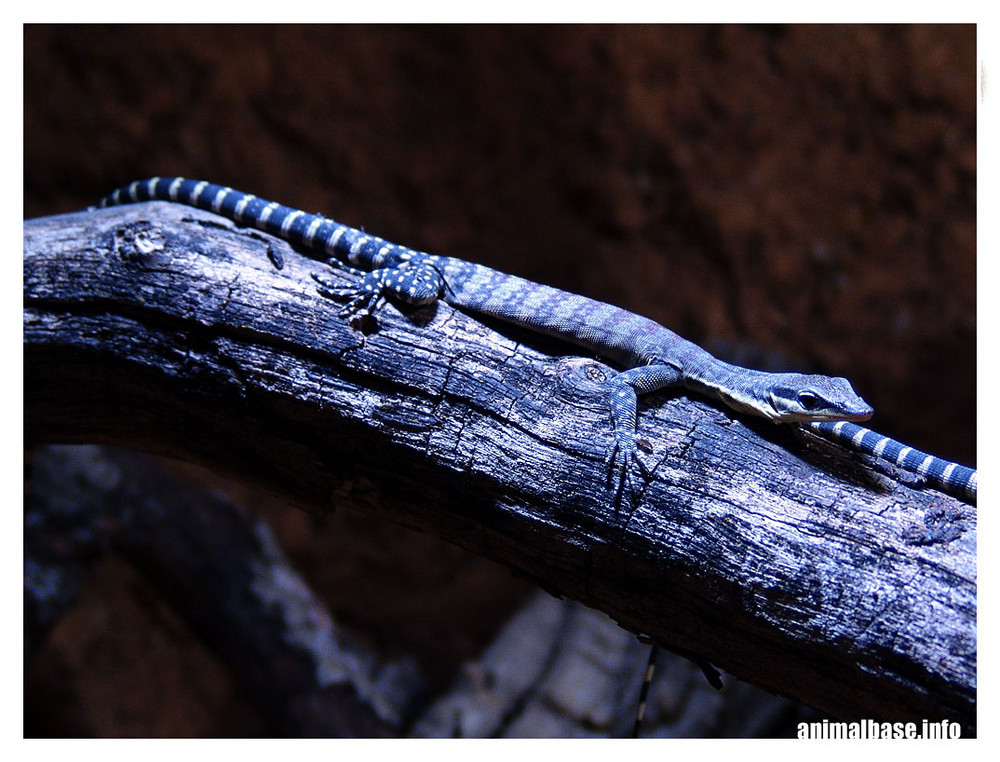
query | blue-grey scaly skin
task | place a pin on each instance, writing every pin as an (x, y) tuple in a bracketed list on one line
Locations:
[(652, 356)]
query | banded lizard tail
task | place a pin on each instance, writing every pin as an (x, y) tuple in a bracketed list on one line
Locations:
[(651, 356)]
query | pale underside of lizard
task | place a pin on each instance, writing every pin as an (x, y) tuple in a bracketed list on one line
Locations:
[(651, 356)]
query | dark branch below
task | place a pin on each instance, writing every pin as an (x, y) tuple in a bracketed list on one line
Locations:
[(775, 557)]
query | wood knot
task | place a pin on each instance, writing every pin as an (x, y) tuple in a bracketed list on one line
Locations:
[(596, 373), (137, 240), (583, 374)]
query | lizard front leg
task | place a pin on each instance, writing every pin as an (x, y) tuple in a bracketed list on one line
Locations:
[(624, 390)]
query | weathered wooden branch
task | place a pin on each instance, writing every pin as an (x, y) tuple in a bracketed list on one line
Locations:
[(556, 670), (775, 557)]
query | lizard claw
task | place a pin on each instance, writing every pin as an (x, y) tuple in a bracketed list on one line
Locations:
[(336, 264), (621, 458), (334, 289)]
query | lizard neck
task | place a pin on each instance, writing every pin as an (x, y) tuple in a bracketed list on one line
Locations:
[(740, 388)]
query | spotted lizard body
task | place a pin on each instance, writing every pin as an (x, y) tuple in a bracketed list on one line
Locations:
[(652, 356)]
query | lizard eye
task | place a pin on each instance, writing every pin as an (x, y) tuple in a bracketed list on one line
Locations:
[(808, 400)]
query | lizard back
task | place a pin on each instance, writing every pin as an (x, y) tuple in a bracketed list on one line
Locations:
[(623, 337)]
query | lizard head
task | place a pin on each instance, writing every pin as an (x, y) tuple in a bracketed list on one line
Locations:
[(802, 397)]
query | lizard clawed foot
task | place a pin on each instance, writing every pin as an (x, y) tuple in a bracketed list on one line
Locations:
[(363, 298), (414, 282), (621, 474)]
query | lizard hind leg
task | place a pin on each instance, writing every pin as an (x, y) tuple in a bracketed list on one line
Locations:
[(412, 281)]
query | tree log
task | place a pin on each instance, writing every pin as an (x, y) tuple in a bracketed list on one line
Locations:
[(779, 558)]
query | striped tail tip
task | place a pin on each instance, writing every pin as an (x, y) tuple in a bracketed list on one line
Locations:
[(951, 477)]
